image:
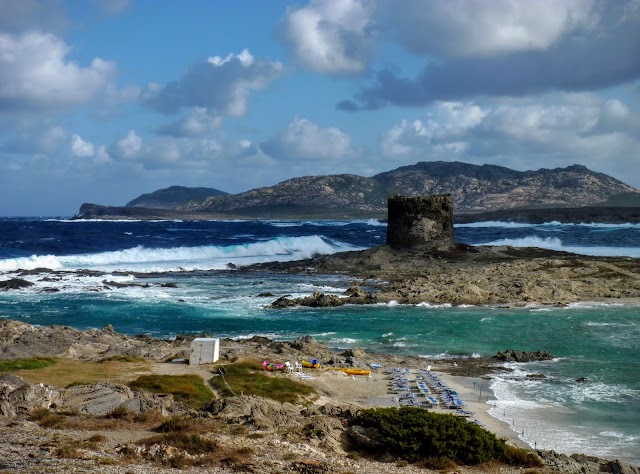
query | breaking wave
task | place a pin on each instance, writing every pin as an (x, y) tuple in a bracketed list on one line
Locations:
[(554, 243), (145, 259)]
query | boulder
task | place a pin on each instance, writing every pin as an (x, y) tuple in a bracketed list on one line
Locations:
[(102, 398), (14, 284), (260, 413), (511, 355)]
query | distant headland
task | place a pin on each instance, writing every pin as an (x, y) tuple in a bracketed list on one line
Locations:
[(487, 192)]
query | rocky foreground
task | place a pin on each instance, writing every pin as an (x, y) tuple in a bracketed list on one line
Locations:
[(106, 426), (471, 275)]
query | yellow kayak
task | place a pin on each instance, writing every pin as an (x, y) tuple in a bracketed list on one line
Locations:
[(311, 364), (354, 371)]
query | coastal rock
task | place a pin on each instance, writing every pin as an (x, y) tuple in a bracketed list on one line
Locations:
[(260, 413), (27, 398), (582, 464), (21, 340), (98, 399), (535, 376), (14, 284), (511, 355), (317, 300)]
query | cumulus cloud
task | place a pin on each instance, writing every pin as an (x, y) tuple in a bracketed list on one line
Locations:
[(486, 27), (304, 140), (128, 147), (576, 129), (219, 85), (36, 74), (331, 36), (181, 154), (572, 53), (81, 148), (195, 123)]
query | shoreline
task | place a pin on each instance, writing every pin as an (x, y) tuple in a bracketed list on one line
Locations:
[(476, 393)]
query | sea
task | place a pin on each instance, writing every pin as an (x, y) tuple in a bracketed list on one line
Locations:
[(165, 278)]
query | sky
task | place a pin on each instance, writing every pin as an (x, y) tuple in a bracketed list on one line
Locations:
[(104, 100)]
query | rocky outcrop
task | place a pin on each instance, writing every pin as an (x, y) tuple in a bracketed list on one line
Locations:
[(511, 355), (581, 464), (21, 340), (323, 300), (257, 412), (14, 284), (20, 398)]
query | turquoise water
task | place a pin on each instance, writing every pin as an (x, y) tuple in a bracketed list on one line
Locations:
[(599, 342)]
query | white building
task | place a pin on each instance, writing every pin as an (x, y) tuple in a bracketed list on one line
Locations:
[(204, 350)]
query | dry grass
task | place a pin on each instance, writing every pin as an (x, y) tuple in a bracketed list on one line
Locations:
[(66, 372)]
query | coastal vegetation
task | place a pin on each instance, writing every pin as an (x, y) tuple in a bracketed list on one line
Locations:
[(418, 435), (189, 389), (33, 363), (247, 377)]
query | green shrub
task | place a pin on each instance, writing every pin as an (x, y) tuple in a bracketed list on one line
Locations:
[(35, 363), (189, 389), (415, 434)]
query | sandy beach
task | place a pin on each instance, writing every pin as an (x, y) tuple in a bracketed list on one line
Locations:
[(374, 391)]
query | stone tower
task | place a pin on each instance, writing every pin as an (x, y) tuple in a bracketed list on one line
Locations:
[(423, 222)]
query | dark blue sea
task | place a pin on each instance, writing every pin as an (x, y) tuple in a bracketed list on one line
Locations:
[(598, 341)]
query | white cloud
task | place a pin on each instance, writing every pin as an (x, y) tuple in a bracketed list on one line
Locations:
[(443, 131), (601, 134), (181, 154), (221, 86), (304, 140), (81, 148), (331, 36), (36, 74), (197, 122), (127, 148), (486, 27)]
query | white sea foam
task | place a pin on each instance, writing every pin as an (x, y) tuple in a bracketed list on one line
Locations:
[(144, 259), (429, 305), (554, 243), (520, 225), (507, 225)]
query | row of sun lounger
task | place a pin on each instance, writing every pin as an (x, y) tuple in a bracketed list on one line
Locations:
[(425, 389)]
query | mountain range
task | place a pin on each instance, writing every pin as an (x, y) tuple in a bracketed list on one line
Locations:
[(474, 188)]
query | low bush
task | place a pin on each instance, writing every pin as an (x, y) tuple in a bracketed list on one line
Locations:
[(46, 418), (416, 435)]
